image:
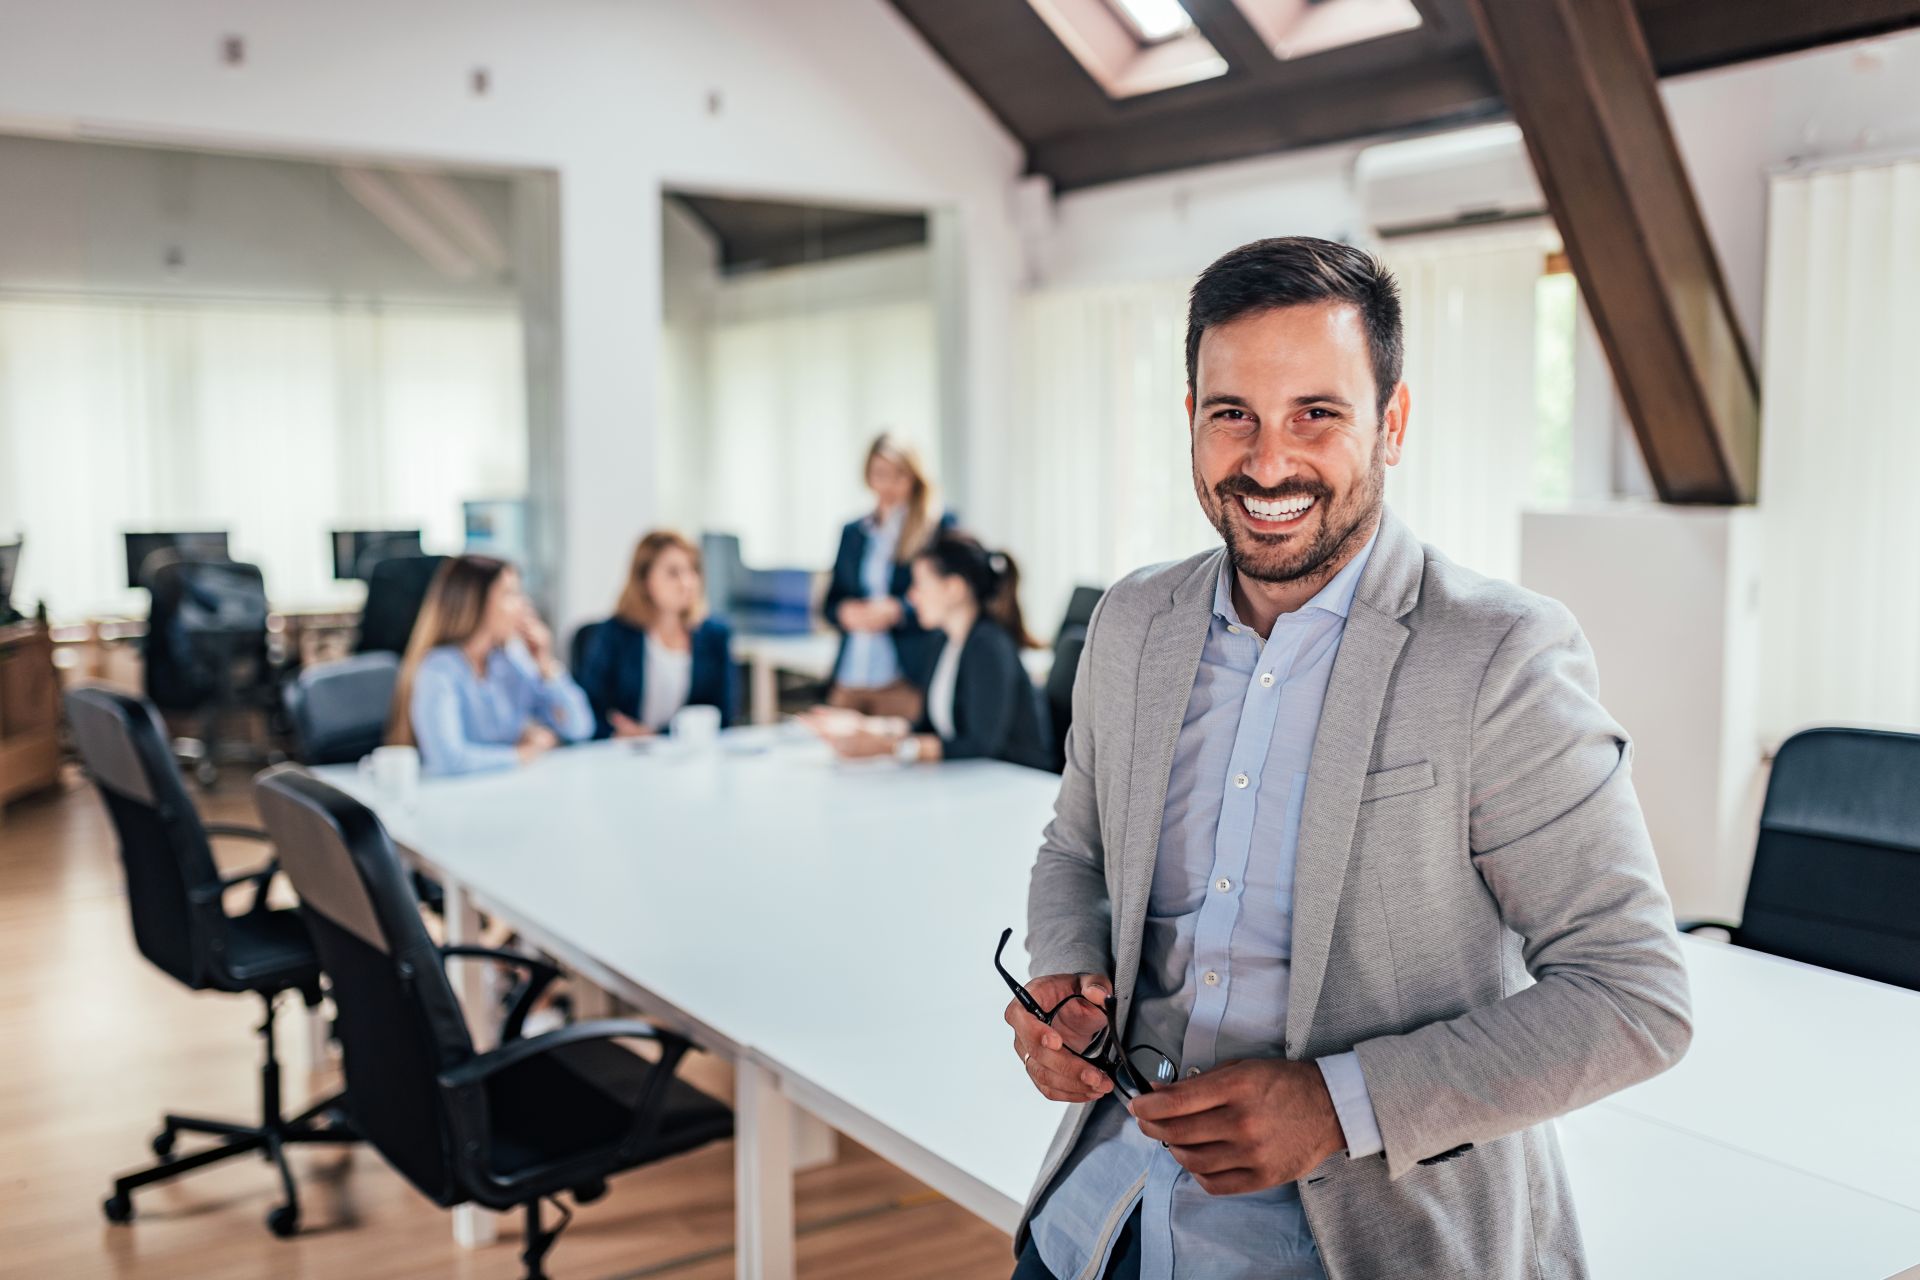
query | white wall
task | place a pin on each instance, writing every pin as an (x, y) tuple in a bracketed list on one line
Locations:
[(157, 221), (1667, 597), (828, 100)]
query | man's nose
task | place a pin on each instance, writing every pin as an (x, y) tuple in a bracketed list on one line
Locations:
[(1270, 457)]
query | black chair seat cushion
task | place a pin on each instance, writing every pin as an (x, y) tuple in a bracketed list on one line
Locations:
[(579, 1098), (270, 951)]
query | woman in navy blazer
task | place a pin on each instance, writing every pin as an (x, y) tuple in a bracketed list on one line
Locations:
[(881, 640), (657, 653)]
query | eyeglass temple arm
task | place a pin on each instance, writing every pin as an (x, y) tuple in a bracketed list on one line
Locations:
[(1020, 992)]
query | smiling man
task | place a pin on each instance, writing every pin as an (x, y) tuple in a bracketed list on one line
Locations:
[(1346, 862)]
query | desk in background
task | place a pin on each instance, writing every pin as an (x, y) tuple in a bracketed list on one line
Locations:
[(757, 900)]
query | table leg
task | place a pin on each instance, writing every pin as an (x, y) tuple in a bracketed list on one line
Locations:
[(763, 1176), (763, 691), (815, 1144), (472, 1225)]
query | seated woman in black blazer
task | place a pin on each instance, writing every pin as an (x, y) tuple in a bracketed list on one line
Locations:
[(658, 652), (980, 702)]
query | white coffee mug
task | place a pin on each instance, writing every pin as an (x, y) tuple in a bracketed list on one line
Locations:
[(395, 772), (697, 726)]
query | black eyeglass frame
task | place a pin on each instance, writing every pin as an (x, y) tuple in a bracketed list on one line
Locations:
[(1103, 1051)]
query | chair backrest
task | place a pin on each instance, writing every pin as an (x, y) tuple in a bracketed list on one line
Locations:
[(1080, 608), (1066, 661), (163, 845), (398, 1021), (396, 588), (205, 616), (339, 709), (1836, 874)]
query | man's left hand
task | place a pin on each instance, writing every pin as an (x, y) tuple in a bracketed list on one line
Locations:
[(1244, 1126)]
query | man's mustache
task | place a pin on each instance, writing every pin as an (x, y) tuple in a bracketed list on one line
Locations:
[(1239, 486)]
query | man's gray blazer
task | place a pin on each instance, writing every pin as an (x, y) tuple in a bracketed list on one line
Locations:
[(1476, 907)]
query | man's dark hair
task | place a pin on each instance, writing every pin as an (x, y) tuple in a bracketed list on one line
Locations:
[(1288, 271)]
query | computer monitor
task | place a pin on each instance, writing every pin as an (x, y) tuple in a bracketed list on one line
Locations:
[(9, 565), (356, 551), (497, 527), (208, 545)]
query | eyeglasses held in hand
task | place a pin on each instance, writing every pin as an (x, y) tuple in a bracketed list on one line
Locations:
[(1133, 1071)]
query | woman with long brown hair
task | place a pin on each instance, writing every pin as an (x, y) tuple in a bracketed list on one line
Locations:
[(659, 651), (881, 639), (979, 703), (480, 687)]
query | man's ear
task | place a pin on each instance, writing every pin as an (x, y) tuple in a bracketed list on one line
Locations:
[(1189, 412), (1393, 424)]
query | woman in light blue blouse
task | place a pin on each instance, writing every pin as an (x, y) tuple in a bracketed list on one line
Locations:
[(480, 687)]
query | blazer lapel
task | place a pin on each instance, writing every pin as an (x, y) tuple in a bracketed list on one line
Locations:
[(1342, 751), (1169, 657)]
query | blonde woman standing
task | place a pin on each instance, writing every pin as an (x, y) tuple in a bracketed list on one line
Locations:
[(882, 642)]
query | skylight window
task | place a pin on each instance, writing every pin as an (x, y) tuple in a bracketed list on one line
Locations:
[(1131, 47), (1301, 28), (1154, 20)]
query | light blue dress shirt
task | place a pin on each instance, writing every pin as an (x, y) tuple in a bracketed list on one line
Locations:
[(465, 724), (870, 660), (1215, 960)]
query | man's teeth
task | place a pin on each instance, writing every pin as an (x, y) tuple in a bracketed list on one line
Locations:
[(1284, 509)]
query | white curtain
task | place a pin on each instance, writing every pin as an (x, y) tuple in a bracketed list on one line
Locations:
[(1100, 480), (1840, 448), (793, 402), (276, 421), (1468, 468)]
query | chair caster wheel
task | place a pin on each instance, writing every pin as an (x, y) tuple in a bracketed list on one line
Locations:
[(207, 775), (163, 1144), (589, 1193), (118, 1208), (284, 1222)]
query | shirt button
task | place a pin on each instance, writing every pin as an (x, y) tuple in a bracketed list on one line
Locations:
[(1192, 1072), (1266, 679), (1232, 630), (1223, 884), (1212, 979), (1240, 780)]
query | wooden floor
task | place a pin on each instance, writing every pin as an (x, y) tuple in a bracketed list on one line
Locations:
[(95, 1044)]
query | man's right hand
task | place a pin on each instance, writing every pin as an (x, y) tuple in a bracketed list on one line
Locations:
[(1057, 1072)]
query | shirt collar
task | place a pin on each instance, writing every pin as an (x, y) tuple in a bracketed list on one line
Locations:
[(1336, 597), (895, 521)]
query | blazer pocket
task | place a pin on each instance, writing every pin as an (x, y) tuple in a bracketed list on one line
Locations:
[(1397, 781)]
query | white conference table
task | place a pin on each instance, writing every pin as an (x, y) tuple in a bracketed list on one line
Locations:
[(829, 928)]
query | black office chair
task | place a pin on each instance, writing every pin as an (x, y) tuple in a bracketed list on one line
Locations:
[(338, 711), (534, 1118), (1080, 608), (206, 655), (396, 588), (1836, 873), (181, 925), (1059, 691)]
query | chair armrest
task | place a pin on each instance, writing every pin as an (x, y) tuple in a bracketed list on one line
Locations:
[(469, 1078), (1731, 929), (262, 876), (235, 831), (476, 1070), (540, 976)]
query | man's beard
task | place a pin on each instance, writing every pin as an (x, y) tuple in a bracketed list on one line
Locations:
[(1343, 523)]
